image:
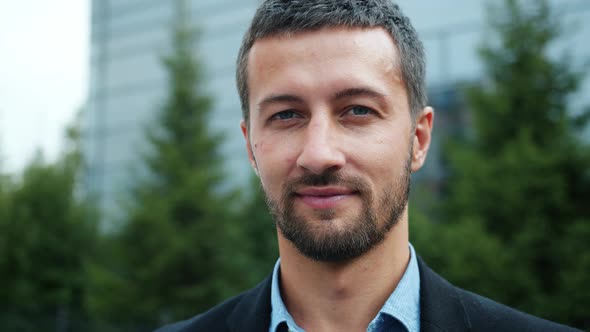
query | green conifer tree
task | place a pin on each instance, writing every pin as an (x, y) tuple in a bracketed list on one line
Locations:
[(47, 236), (178, 240), (524, 176)]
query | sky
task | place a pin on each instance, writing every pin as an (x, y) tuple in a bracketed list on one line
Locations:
[(43, 75)]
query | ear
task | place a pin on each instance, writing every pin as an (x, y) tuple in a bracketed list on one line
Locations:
[(422, 137), (244, 128)]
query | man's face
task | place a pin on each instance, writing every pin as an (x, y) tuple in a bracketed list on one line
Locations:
[(331, 137)]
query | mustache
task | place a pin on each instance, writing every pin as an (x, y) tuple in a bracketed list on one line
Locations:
[(327, 178)]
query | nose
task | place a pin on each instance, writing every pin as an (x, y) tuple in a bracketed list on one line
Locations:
[(321, 149)]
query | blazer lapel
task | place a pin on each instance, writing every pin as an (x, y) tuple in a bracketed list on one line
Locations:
[(441, 309), (252, 313)]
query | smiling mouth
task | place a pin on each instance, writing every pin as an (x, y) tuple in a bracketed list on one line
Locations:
[(324, 198)]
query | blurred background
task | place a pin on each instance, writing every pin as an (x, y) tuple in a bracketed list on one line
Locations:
[(126, 197)]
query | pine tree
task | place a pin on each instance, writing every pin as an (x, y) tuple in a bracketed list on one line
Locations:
[(47, 236), (176, 245), (524, 176)]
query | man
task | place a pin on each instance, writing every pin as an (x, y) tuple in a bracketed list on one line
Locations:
[(335, 121)]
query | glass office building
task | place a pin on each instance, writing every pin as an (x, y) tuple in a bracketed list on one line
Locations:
[(128, 85), (128, 82)]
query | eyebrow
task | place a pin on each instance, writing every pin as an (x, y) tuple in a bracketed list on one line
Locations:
[(282, 98), (358, 92), (346, 93)]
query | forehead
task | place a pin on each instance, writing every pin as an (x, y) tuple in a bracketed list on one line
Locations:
[(324, 58), (329, 42)]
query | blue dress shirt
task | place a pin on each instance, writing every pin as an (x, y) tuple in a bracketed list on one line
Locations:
[(401, 311)]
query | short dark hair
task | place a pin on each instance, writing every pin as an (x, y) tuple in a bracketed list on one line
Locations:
[(284, 17)]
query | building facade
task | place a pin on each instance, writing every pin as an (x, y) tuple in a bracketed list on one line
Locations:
[(128, 85)]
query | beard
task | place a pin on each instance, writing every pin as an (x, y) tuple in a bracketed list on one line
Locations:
[(354, 236)]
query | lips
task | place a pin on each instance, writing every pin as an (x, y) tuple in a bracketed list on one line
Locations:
[(324, 197)]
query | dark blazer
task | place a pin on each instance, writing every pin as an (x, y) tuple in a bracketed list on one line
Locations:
[(443, 307)]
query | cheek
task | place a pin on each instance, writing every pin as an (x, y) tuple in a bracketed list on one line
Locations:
[(275, 160), (386, 158), (276, 151)]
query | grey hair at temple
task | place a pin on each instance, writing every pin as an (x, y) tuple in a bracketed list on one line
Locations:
[(287, 17)]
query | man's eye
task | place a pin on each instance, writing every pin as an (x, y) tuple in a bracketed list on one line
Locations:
[(284, 115), (359, 110)]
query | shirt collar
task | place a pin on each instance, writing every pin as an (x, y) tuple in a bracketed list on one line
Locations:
[(279, 313), (402, 305)]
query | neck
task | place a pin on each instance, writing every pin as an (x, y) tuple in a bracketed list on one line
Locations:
[(343, 296)]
